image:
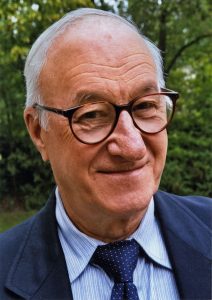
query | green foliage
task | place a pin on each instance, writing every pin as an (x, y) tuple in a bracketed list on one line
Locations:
[(172, 25), (180, 28), (189, 161)]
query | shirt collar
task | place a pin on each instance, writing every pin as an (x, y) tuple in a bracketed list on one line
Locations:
[(150, 238), (79, 247)]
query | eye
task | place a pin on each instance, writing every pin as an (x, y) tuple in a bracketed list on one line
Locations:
[(145, 108), (91, 115), (144, 105), (94, 113)]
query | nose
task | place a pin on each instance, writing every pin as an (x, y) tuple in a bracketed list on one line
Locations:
[(126, 140)]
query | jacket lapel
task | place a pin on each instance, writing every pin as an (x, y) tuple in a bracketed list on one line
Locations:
[(188, 243), (39, 269)]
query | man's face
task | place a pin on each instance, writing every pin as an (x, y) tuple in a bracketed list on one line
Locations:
[(118, 176)]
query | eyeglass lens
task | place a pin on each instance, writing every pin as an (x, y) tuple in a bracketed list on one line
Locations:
[(93, 122)]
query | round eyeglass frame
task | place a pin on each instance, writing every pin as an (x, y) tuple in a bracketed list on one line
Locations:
[(68, 113)]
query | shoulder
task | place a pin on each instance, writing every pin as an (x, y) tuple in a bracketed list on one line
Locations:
[(198, 206), (190, 201), (16, 233), (12, 239), (11, 243)]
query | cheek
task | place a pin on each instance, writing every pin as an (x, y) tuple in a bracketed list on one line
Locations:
[(69, 158), (58, 142), (161, 154), (158, 149), (59, 132)]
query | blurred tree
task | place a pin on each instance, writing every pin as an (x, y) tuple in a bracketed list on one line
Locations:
[(173, 25)]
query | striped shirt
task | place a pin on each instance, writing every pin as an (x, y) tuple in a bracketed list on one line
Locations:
[(153, 276)]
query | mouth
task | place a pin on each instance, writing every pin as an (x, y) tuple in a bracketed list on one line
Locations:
[(123, 170)]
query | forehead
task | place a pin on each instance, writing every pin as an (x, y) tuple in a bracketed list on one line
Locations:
[(96, 52)]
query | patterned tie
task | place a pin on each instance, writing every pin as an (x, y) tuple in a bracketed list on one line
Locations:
[(119, 260)]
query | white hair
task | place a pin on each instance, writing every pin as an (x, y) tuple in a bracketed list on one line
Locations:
[(38, 53)]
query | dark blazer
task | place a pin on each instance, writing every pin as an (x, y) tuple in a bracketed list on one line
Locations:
[(32, 264)]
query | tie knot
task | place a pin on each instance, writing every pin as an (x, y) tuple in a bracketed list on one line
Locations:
[(118, 259)]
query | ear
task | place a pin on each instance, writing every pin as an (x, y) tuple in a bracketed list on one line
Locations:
[(37, 133)]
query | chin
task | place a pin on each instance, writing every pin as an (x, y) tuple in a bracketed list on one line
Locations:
[(128, 204)]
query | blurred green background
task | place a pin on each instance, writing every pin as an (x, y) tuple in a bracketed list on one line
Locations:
[(180, 28)]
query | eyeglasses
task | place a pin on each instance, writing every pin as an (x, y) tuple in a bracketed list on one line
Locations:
[(93, 122)]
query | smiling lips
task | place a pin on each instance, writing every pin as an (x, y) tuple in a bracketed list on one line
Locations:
[(123, 170)]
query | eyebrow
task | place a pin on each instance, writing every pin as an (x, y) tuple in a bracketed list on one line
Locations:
[(146, 89), (86, 96)]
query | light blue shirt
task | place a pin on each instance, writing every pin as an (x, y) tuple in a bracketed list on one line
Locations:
[(153, 277)]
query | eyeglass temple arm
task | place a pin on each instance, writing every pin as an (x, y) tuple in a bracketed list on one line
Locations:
[(51, 109), (175, 94)]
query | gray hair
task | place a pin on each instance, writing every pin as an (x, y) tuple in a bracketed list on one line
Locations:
[(38, 53)]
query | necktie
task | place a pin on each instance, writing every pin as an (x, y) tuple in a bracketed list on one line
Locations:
[(119, 260)]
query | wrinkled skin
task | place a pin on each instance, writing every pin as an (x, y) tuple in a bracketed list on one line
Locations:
[(106, 188)]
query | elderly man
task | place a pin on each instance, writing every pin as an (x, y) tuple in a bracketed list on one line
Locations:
[(97, 110)]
